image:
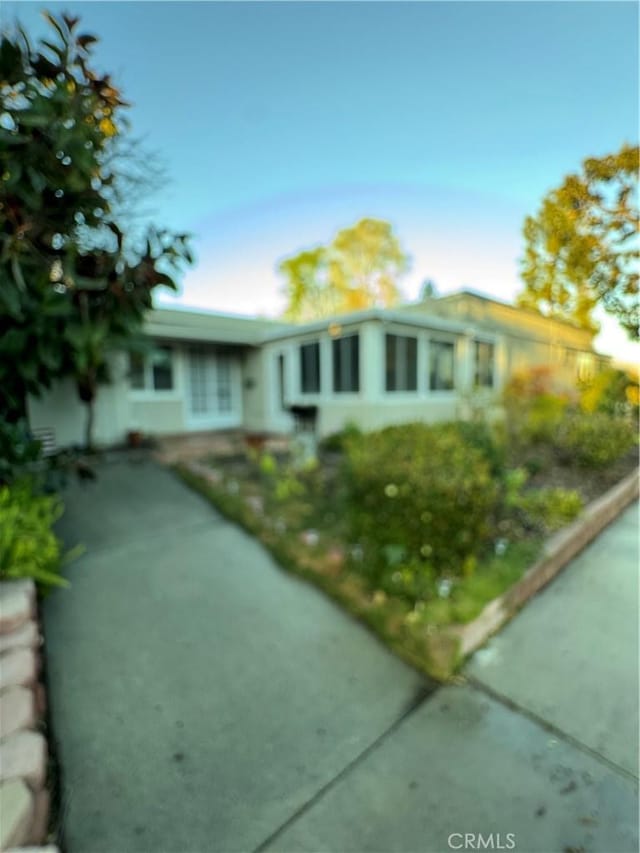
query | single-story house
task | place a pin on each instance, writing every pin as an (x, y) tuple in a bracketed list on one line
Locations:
[(209, 371)]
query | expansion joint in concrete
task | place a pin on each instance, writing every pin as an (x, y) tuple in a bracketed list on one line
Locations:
[(422, 694), (559, 734)]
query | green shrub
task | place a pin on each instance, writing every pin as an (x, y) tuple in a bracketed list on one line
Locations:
[(18, 451), (486, 439), (543, 417), (594, 440), (28, 546), (419, 494), (550, 509), (338, 441), (534, 406)]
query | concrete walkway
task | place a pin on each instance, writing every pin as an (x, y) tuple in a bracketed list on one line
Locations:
[(204, 700)]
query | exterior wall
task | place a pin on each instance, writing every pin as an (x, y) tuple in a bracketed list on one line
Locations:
[(335, 415), (255, 391), (157, 417), (531, 340), (373, 406), (61, 410), (120, 408), (266, 378), (277, 398)]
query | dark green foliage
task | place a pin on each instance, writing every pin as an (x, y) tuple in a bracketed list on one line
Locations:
[(337, 442), (73, 286), (488, 440), (19, 453), (420, 494)]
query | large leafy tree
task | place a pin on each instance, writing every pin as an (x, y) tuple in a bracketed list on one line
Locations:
[(359, 269), (72, 285), (581, 248)]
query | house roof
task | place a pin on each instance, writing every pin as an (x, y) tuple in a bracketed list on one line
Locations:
[(495, 313), (475, 294), (436, 314), (214, 327), (208, 326), (384, 315)]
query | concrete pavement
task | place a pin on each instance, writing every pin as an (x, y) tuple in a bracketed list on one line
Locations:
[(203, 700), (200, 695)]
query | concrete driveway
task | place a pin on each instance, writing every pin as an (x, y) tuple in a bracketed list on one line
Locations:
[(204, 700)]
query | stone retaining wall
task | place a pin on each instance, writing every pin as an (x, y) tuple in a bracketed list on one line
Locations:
[(24, 797)]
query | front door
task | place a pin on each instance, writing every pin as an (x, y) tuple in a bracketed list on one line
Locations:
[(213, 383)]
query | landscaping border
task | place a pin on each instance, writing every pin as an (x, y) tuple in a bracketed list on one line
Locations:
[(25, 795), (557, 551)]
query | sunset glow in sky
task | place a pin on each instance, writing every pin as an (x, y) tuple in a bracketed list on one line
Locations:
[(281, 123)]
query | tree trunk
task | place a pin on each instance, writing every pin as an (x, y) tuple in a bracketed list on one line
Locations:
[(88, 434)]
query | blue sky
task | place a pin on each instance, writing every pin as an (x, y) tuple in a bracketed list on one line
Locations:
[(280, 123)]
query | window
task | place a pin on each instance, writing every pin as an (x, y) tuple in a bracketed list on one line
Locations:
[(223, 366), (401, 363), (442, 365), (484, 357), (198, 382), (162, 369), (346, 363), (310, 368), (153, 371)]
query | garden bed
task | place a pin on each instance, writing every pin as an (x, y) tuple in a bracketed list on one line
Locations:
[(430, 617)]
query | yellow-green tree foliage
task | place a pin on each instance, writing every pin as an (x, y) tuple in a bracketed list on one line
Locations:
[(581, 248), (359, 269)]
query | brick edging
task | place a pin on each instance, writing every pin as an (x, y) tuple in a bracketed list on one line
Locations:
[(24, 796), (558, 550)]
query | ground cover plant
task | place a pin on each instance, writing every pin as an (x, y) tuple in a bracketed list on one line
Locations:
[(29, 547)]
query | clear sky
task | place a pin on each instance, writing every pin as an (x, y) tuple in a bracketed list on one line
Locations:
[(280, 123)]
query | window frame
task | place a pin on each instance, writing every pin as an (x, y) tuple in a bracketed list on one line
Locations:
[(317, 371), (148, 372), (403, 343), (477, 344), (339, 369), (435, 344)]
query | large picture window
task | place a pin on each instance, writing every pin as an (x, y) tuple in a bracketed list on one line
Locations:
[(483, 360), (401, 360), (442, 365), (152, 371), (346, 364), (310, 368)]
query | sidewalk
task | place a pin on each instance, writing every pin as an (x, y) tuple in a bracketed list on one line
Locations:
[(203, 700)]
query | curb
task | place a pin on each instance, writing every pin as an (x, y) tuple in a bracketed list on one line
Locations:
[(559, 550)]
